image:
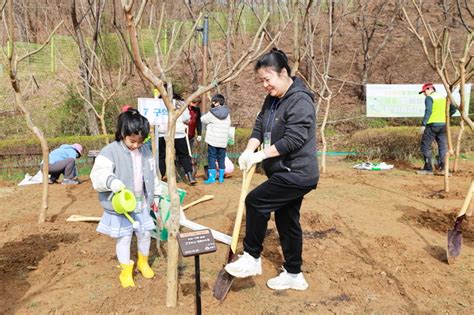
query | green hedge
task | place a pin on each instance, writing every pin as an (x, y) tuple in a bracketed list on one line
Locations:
[(398, 143), (32, 145)]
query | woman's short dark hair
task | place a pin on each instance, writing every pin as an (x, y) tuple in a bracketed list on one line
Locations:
[(218, 98), (131, 122), (275, 59)]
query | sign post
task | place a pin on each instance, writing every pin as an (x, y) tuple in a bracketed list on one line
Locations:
[(194, 244)]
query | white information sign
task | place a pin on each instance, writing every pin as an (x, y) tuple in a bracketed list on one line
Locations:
[(154, 109), (403, 100)]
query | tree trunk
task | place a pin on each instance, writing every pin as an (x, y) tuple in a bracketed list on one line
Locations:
[(86, 76), (229, 37), (458, 147), (14, 81), (323, 135), (364, 79), (39, 134), (173, 224)]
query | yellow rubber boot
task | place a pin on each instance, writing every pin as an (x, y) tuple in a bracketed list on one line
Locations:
[(126, 275), (143, 267)]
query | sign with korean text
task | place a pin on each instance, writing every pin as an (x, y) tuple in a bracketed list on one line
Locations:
[(196, 242), (403, 100), (154, 109)]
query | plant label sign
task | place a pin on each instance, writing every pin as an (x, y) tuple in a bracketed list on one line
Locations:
[(196, 242), (154, 109)]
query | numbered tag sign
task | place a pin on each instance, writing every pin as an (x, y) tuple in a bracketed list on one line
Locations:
[(154, 109)]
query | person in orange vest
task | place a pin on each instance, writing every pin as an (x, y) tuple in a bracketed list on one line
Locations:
[(433, 127)]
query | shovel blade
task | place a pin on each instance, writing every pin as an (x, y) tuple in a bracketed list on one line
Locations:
[(223, 284), (454, 245), (455, 240)]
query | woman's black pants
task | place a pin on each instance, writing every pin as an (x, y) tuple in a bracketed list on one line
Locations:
[(274, 195)]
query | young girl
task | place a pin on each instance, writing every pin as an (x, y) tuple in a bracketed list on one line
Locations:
[(126, 163)]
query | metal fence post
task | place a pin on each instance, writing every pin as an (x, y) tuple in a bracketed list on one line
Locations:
[(53, 59)]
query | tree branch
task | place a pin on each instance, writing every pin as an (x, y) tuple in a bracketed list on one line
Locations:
[(42, 46)]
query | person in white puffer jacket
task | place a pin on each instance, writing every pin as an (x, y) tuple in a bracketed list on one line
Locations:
[(217, 122)]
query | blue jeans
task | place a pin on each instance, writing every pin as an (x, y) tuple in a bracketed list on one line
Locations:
[(215, 154)]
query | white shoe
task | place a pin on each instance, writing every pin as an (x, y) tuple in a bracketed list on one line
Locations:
[(245, 266), (286, 280)]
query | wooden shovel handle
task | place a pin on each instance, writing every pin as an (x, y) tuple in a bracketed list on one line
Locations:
[(247, 178), (187, 141), (467, 201)]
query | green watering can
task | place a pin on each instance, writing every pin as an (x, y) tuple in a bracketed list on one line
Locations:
[(124, 202)]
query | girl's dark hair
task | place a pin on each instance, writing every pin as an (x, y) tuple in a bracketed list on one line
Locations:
[(131, 122), (275, 59)]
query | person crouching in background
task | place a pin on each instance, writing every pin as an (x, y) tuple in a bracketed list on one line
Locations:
[(63, 161)]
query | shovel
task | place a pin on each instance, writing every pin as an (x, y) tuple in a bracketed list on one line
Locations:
[(224, 280), (455, 235)]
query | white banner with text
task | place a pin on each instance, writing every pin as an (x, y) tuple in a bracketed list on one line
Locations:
[(403, 100)]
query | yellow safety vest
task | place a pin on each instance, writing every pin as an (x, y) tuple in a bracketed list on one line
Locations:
[(438, 113)]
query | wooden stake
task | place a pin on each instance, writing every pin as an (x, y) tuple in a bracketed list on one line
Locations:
[(202, 199)]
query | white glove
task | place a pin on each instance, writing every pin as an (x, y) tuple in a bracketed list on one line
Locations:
[(116, 185), (256, 158), (422, 130), (243, 159), (198, 138), (136, 225)]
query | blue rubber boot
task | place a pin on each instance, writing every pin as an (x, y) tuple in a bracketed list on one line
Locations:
[(221, 176), (211, 177)]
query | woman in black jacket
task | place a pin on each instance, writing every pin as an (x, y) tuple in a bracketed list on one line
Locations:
[(286, 127)]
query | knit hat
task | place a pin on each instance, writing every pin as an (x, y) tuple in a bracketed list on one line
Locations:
[(78, 148)]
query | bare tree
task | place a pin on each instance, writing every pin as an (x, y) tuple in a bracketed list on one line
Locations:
[(325, 92), (88, 60), (102, 86), (12, 61), (231, 19), (247, 57), (440, 56), (466, 14), (374, 31)]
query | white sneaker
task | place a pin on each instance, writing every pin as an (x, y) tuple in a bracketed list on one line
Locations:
[(245, 266), (286, 280)]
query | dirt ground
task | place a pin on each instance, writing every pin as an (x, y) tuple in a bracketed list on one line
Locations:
[(374, 243)]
